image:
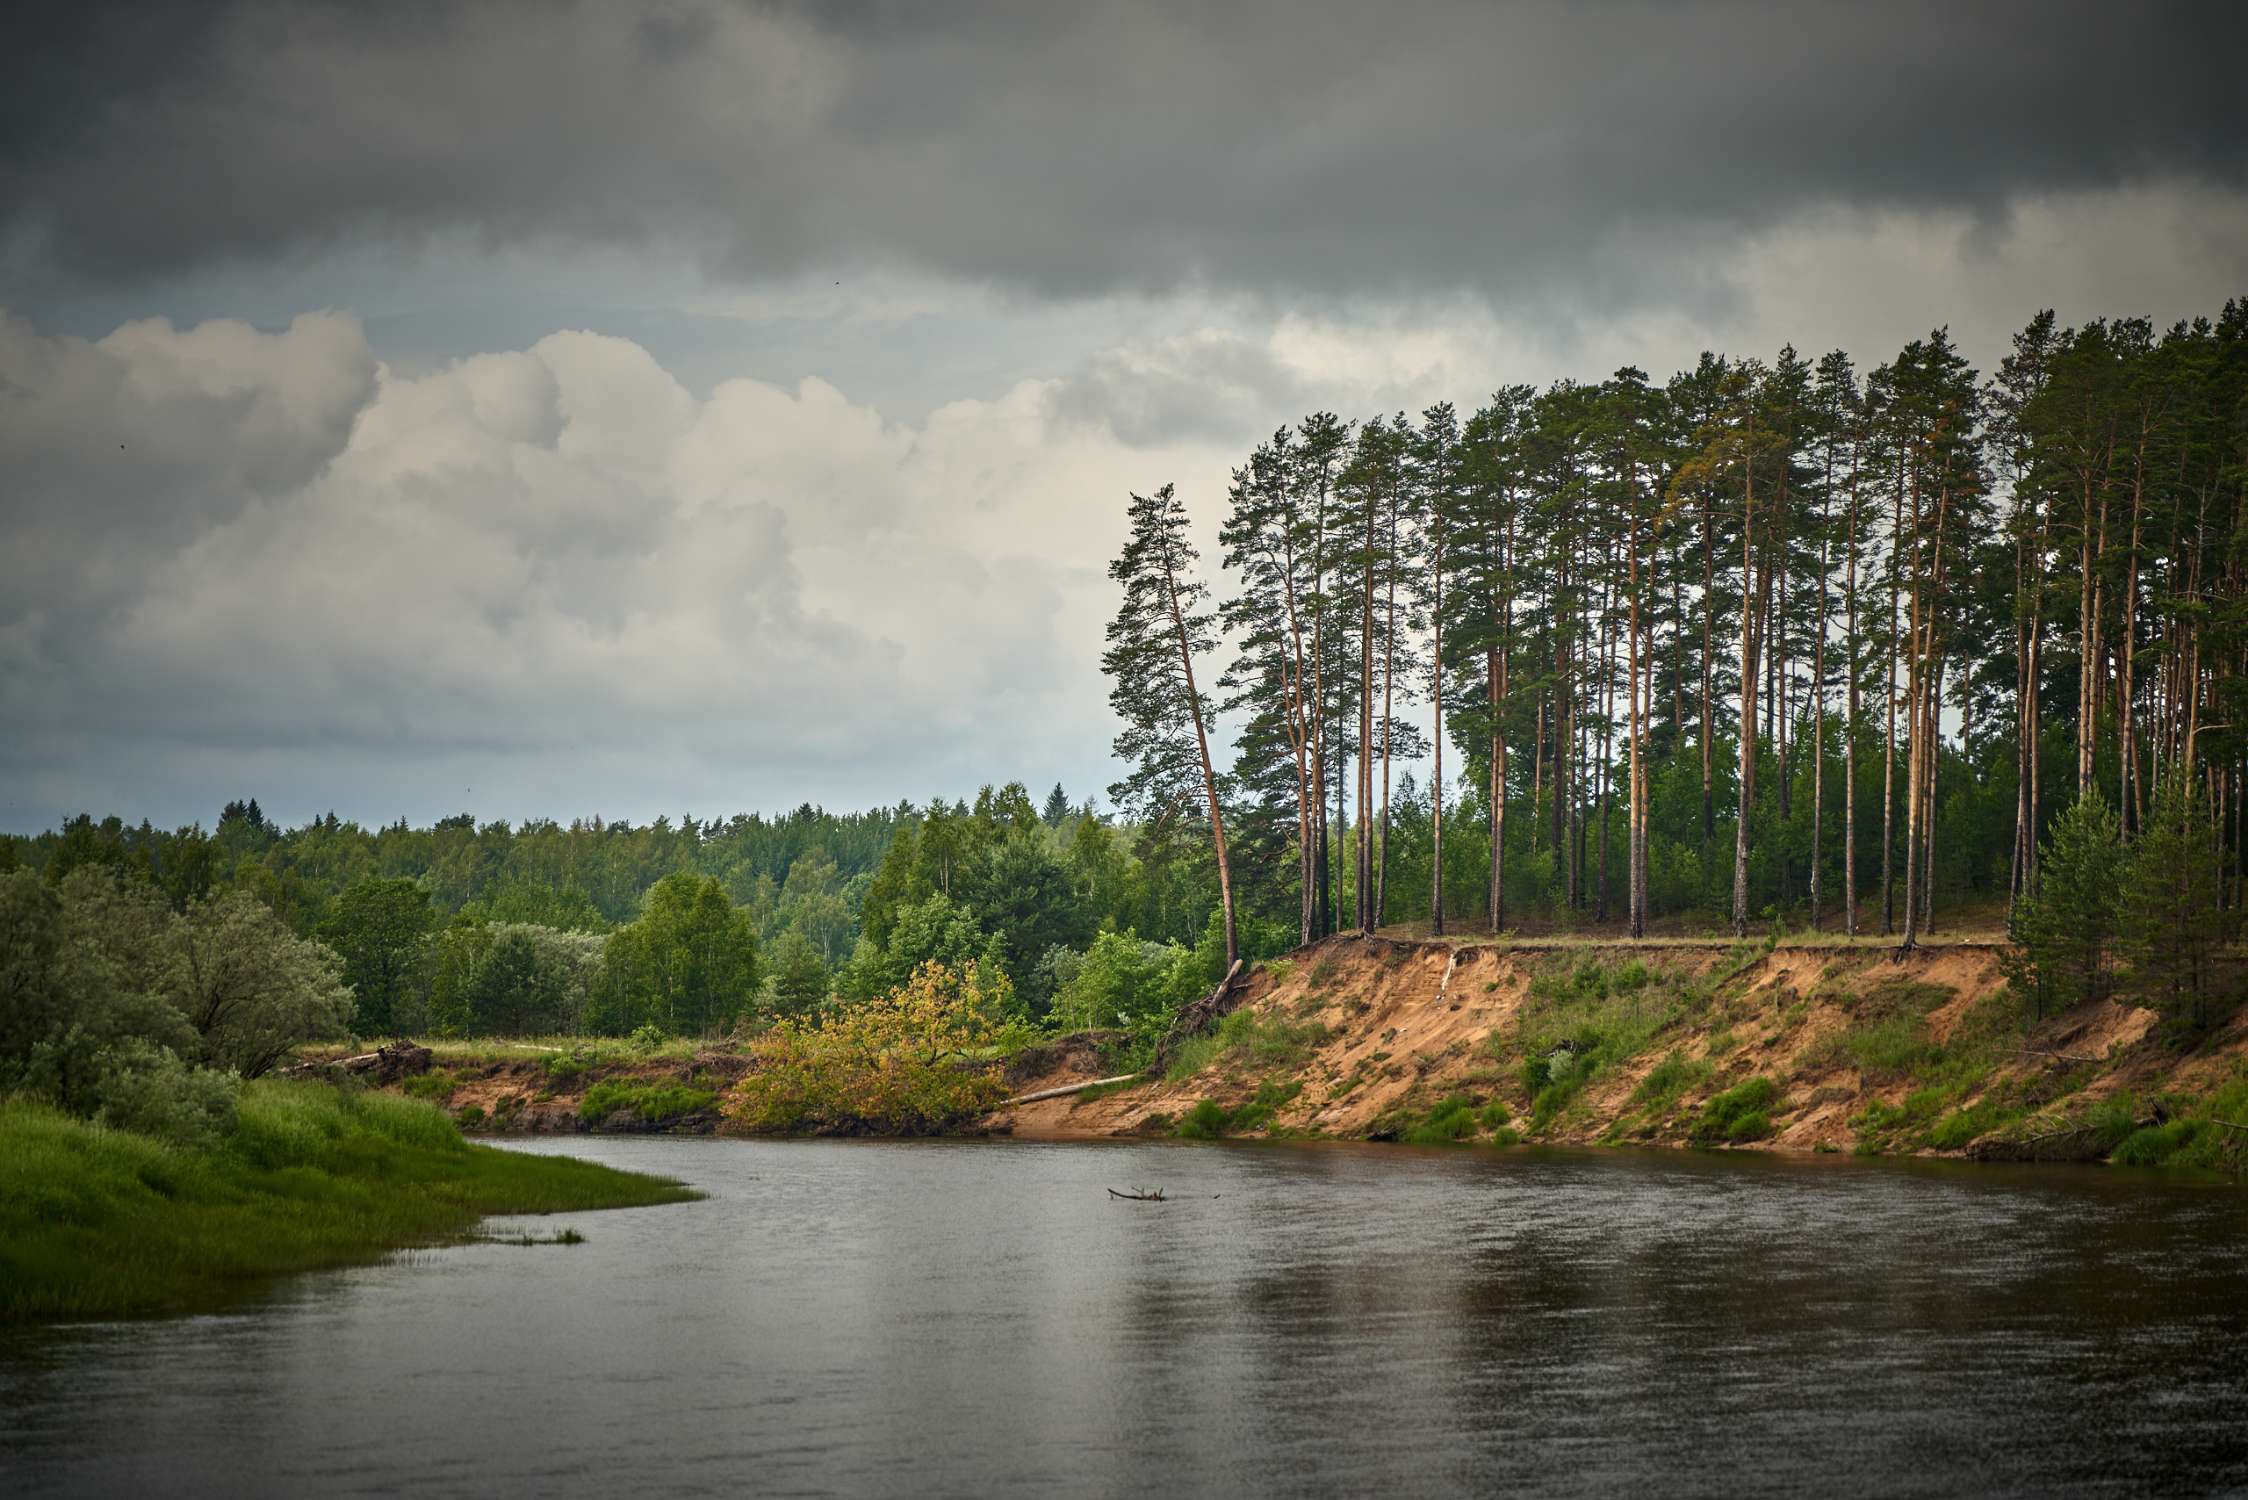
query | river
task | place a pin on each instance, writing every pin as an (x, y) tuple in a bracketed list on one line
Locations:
[(982, 1319)]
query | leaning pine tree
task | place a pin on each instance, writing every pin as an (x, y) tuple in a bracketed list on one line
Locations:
[(1163, 623)]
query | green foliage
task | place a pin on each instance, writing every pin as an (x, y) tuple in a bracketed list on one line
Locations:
[(437, 1085), (1123, 981), (1741, 1113), (1962, 1126), (381, 928), (1667, 1081), (688, 965), (98, 1222), (647, 1039), (1208, 1120), (148, 1089), (1244, 1036), (2171, 920), (800, 977), (1205, 1121), (115, 1007), (653, 1103), (2064, 929), (1579, 1020), (1449, 1120), (909, 1063)]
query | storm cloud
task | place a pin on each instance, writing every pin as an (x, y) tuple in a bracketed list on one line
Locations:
[(1529, 152), (554, 409)]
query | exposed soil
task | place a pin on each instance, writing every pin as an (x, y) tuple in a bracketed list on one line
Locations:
[(1409, 1022)]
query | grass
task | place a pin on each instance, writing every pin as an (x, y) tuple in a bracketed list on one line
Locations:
[(650, 1102), (1741, 1113), (1210, 1120), (1580, 1019), (1246, 1036), (101, 1223)]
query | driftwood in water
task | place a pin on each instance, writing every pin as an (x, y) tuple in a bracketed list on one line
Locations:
[(1067, 1088), (1154, 1196), (1200, 1016)]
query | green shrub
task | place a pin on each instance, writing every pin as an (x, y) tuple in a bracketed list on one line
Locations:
[(1448, 1121), (649, 1102), (434, 1085), (1206, 1121), (1496, 1114), (1506, 1136), (1753, 1126), (1246, 1036), (1743, 1106), (565, 1066), (471, 1116), (1955, 1130), (647, 1039), (2156, 1145), (147, 1088), (1209, 1120)]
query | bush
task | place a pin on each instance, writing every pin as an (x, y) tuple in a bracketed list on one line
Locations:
[(2153, 1145), (1741, 1108), (147, 1088), (911, 1063), (1753, 1126), (1209, 1120), (1449, 1121), (650, 1102), (436, 1086), (648, 1039), (1206, 1121), (1245, 1035)]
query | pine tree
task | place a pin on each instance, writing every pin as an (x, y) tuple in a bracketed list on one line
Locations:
[(2170, 923), (2065, 929), (1162, 624)]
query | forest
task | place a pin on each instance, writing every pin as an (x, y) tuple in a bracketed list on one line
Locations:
[(1774, 640)]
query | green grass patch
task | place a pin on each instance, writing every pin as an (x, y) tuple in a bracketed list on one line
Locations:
[(1741, 1113), (1245, 1036), (1667, 1081), (1210, 1120), (100, 1223), (650, 1102), (436, 1086), (1579, 1020)]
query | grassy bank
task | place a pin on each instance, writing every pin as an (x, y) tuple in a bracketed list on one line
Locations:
[(96, 1222)]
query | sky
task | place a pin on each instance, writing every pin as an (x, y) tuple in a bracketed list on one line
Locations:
[(700, 407)]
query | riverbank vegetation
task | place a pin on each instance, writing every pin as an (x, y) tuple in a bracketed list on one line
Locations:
[(147, 1160), (101, 1222)]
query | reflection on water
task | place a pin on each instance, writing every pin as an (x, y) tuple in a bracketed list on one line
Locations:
[(983, 1319)]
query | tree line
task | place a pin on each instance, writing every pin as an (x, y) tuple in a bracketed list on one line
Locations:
[(1774, 638), (690, 928)]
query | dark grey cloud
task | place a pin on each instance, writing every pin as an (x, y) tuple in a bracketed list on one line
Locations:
[(1518, 151)]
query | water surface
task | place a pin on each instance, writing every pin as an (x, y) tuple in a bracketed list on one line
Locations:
[(981, 1319)]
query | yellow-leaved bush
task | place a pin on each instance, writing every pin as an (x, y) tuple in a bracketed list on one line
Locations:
[(912, 1062)]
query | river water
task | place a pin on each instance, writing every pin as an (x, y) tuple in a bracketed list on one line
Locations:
[(982, 1319)]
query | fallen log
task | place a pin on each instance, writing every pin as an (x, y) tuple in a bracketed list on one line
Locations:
[(1142, 1197), (1067, 1088), (383, 1065)]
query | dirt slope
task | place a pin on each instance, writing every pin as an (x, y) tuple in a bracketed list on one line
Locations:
[(1860, 1051)]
